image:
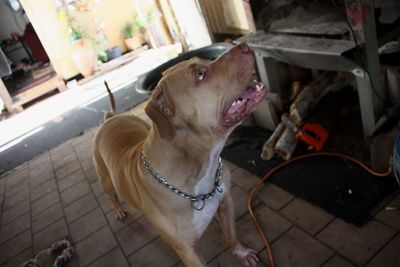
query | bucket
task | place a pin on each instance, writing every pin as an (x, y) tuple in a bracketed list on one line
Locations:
[(396, 158)]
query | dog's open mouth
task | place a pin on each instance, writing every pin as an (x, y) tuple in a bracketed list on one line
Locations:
[(244, 104)]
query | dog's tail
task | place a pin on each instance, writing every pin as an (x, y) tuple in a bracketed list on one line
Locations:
[(111, 113)]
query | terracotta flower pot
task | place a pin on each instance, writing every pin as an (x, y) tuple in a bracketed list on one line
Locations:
[(134, 42), (84, 57)]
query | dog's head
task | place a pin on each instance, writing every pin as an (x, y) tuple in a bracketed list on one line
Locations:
[(206, 97)]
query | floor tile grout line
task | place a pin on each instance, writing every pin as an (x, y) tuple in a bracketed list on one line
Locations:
[(18, 255), (343, 256), (271, 242), (379, 250), (18, 217), (62, 207), (43, 210), (43, 182), (8, 173), (95, 231), (279, 236), (320, 241), (65, 189), (334, 250), (145, 245), (249, 190), (2, 212), (96, 199), (108, 223), (325, 226), (83, 215), (14, 204), (271, 208), (386, 202), (3, 199), (30, 210), (325, 262), (58, 220), (1, 227), (213, 258), (289, 219), (315, 237), (386, 224), (125, 226), (37, 231), (16, 189), (40, 197), (101, 256)]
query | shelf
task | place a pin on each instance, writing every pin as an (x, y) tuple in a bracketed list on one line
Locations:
[(308, 52)]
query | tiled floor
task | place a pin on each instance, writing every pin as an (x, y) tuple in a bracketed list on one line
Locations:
[(57, 195)]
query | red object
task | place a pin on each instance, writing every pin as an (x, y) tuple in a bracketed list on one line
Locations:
[(314, 135), (32, 40), (357, 11)]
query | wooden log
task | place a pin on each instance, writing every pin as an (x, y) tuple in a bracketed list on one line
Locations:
[(268, 150), (310, 96), (295, 89), (286, 144)]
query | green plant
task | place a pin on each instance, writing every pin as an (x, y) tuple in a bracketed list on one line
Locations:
[(102, 56), (128, 30), (74, 34)]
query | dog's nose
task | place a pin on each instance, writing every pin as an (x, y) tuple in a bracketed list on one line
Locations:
[(244, 48)]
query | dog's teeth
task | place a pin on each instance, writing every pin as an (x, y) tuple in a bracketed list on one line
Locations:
[(236, 102), (258, 88)]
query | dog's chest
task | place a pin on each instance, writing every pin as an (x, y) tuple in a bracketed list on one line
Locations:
[(202, 218)]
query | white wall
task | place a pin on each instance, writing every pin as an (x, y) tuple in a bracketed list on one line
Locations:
[(11, 21), (8, 23), (192, 23)]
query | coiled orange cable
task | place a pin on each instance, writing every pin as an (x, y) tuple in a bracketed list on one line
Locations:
[(255, 189)]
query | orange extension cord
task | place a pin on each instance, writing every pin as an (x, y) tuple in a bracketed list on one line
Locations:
[(282, 165)]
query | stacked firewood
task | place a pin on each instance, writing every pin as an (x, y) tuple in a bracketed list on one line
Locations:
[(284, 139)]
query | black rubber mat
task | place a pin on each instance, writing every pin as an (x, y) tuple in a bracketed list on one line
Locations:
[(73, 123), (339, 186)]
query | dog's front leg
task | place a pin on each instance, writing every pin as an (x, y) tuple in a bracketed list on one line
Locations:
[(190, 255), (226, 218)]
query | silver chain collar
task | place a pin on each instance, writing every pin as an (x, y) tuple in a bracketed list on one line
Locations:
[(198, 202)]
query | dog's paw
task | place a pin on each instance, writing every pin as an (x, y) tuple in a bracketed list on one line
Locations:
[(31, 263), (120, 214), (246, 257)]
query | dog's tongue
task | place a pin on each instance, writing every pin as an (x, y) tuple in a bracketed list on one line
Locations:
[(245, 103)]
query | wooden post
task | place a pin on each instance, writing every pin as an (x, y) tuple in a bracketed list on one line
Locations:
[(310, 96), (268, 150), (8, 102), (286, 144)]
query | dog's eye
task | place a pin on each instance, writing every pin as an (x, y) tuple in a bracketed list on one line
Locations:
[(201, 74)]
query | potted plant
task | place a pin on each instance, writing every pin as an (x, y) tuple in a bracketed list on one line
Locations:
[(133, 38), (83, 55)]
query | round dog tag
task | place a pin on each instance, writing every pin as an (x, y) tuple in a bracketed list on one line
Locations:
[(199, 203)]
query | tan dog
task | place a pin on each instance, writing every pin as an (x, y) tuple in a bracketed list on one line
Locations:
[(194, 108)]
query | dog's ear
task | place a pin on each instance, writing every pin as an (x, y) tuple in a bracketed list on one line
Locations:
[(161, 114)]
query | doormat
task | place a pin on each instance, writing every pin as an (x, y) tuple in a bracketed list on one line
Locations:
[(74, 123), (339, 186)]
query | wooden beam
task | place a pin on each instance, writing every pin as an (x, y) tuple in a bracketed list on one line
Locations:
[(8, 102), (39, 90)]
